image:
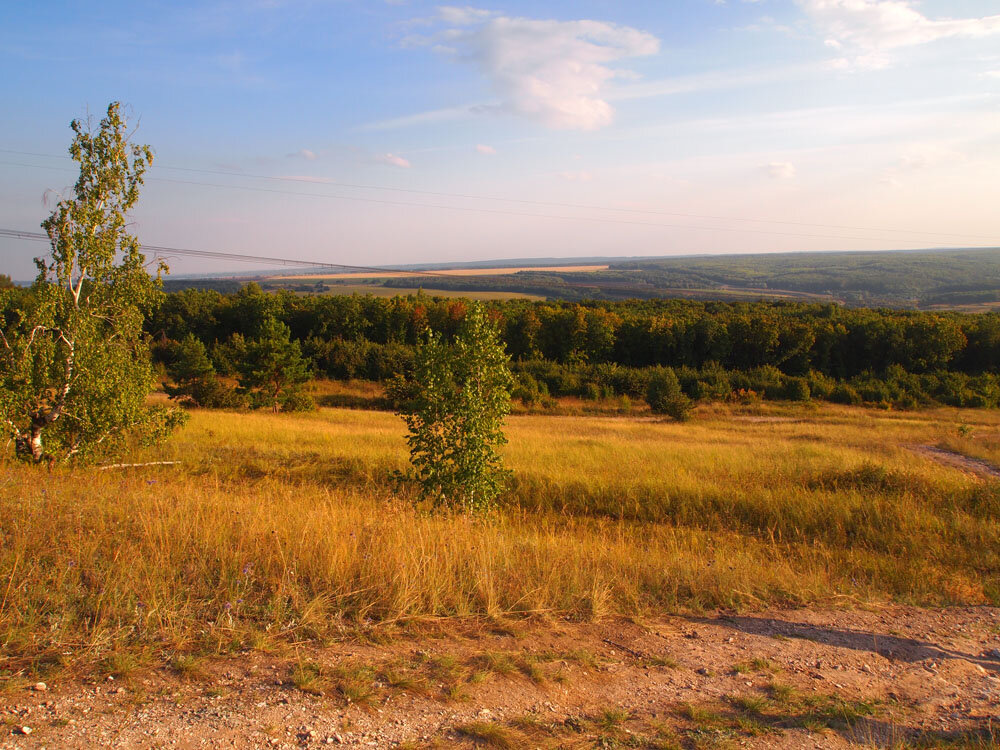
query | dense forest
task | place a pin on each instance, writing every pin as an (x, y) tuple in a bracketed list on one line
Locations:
[(600, 349)]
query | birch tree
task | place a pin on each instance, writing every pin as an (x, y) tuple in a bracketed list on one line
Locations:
[(75, 367)]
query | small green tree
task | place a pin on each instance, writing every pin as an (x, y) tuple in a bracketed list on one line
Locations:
[(5, 282), (454, 407), (271, 369), (195, 382), (664, 395), (75, 367)]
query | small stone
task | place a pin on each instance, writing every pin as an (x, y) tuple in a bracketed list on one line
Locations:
[(866, 669), (703, 671), (40, 687), (23, 730)]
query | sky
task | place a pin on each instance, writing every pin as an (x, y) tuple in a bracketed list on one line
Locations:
[(381, 132)]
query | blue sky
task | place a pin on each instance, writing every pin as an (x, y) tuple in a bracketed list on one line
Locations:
[(579, 128)]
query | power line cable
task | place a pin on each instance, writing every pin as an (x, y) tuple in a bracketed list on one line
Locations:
[(504, 212), (220, 255), (467, 196)]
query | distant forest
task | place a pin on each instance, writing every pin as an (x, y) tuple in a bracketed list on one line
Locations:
[(966, 279), (599, 349), (902, 279)]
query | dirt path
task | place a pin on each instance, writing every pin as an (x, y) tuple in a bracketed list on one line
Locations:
[(975, 466), (782, 679)]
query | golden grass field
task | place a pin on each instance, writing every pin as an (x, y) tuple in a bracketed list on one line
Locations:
[(290, 528)]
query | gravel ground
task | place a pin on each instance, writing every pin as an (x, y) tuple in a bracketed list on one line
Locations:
[(932, 673)]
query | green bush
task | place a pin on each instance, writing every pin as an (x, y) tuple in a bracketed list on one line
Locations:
[(797, 389), (664, 395), (845, 394)]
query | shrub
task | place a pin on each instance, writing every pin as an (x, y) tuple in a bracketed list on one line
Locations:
[(195, 381), (528, 390), (664, 395), (845, 394), (796, 389)]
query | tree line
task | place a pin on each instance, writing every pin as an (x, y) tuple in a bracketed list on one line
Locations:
[(591, 349)]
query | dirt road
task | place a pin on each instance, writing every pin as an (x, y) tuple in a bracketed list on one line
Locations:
[(782, 679)]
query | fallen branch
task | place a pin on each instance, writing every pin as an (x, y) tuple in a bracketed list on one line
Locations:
[(129, 466)]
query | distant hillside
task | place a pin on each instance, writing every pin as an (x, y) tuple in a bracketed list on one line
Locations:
[(966, 279)]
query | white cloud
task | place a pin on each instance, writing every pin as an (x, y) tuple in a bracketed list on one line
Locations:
[(304, 154), (549, 71), (872, 28), (464, 16), (394, 160), (487, 150), (780, 170), (991, 74)]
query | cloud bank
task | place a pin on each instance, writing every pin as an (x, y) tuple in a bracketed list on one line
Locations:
[(552, 72), (870, 29)]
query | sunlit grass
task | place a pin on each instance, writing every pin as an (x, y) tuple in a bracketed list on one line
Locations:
[(279, 528)]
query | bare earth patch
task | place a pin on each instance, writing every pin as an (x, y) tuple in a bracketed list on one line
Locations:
[(975, 466), (779, 679)]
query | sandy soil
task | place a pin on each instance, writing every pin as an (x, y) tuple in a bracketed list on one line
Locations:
[(934, 672)]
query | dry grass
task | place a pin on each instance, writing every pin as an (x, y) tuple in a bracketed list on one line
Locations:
[(281, 528)]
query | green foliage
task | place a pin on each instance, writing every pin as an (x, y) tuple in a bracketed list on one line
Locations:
[(195, 380), (75, 366), (664, 395), (610, 349), (454, 406), (271, 368), (5, 282)]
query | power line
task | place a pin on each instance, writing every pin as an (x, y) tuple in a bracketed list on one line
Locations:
[(471, 209), (220, 255), (466, 196)]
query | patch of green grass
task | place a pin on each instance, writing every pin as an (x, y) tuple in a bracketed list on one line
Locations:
[(756, 664), (490, 735), (781, 693), (308, 677), (497, 661), (582, 657), (355, 683), (188, 666), (122, 663), (612, 718), (750, 704), (403, 681), (753, 727), (698, 714)]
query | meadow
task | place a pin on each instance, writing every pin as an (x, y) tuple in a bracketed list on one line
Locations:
[(291, 528)]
